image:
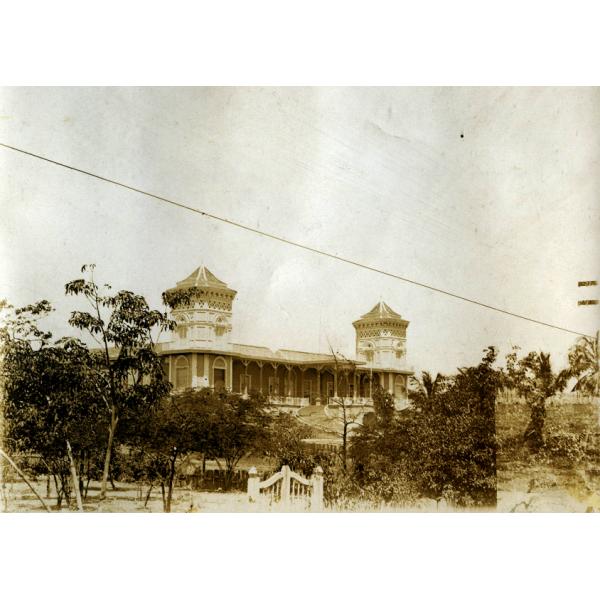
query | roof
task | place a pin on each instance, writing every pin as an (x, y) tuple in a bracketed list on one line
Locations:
[(294, 356), (201, 277), (381, 311)]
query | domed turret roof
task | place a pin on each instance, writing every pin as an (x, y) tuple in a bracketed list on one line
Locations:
[(202, 277), (381, 311)]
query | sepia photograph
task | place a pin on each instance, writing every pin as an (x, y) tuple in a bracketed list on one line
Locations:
[(299, 299)]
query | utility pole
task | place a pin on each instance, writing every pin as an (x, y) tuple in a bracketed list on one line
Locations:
[(592, 302)]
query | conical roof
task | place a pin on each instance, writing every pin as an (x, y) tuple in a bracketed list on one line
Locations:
[(201, 277), (381, 311)]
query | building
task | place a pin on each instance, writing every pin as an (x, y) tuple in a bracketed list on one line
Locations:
[(201, 353)]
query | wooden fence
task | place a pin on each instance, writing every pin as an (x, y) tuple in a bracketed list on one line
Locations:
[(287, 490)]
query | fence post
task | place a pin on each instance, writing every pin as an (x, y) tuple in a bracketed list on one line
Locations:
[(316, 500), (285, 486), (75, 478), (253, 491)]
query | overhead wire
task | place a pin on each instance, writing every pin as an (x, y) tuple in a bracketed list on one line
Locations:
[(292, 242)]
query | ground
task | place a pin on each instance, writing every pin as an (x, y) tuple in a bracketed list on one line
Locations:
[(563, 482), (567, 482)]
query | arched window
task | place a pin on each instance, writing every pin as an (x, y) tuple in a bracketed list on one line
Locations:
[(400, 387), (182, 373), (220, 326), (399, 348), (219, 373)]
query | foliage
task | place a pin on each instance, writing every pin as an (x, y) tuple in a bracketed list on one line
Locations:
[(533, 378), (437, 449), (161, 437), (128, 371), (180, 297), (49, 396), (584, 365), (237, 425), (383, 405), (423, 392), (285, 443)]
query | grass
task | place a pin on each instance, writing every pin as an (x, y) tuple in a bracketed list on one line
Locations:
[(565, 476)]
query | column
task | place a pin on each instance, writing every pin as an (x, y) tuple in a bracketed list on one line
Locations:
[(229, 373), (356, 379), (245, 363), (260, 377), (276, 378), (318, 385), (194, 370), (335, 383)]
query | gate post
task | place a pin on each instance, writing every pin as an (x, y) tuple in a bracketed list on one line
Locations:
[(285, 486), (253, 490), (316, 500)]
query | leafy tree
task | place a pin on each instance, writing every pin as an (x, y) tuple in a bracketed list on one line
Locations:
[(584, 363), (49, 395), (285, 443), (424, 391), (533, 378), (237, 426), (163, 436), (442, 449), (128, 370)]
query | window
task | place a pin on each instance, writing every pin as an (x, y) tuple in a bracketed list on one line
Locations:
[(219, 373), (400, 386), (182, 332), (307, 389), (182, 371)]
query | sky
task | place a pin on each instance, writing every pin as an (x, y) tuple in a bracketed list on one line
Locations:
[(489, 193)]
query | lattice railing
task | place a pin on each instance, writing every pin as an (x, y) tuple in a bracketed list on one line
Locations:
[(287, 489)]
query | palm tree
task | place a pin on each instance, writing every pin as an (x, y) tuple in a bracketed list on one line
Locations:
[(534, 379), (427, 389), (584, 364)]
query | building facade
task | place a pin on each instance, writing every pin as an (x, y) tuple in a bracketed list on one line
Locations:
[(201, 353)]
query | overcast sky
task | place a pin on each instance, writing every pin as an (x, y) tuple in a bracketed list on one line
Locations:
[(489, 193)]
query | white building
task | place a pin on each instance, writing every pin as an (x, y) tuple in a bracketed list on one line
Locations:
[(202, 353)]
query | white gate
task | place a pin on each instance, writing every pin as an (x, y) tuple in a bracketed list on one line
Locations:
[(287, 490)]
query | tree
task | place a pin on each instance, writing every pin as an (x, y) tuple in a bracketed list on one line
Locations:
[(584, 363), (426, 389), (442, 449), (285, 443), (129, 372), (165, 435), (533, 378), (347, 416), (49, 399), (236, 426)]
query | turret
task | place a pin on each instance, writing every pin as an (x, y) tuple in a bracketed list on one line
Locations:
[(381, 338), (205, 322)]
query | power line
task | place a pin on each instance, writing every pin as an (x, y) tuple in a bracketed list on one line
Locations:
[(291, 242)]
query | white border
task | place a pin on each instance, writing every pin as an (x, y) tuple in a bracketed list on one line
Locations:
[(293, 556)]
